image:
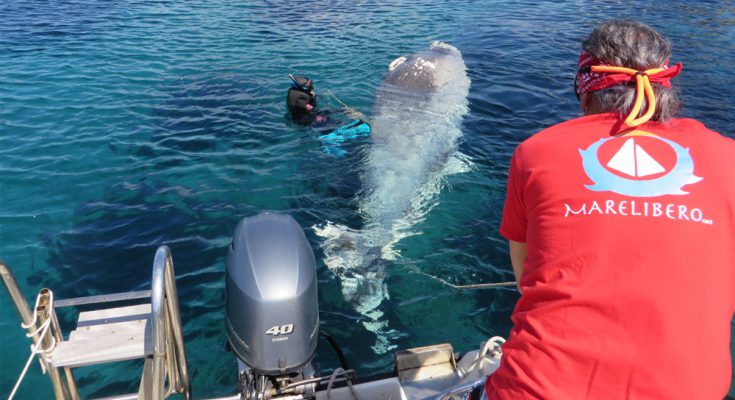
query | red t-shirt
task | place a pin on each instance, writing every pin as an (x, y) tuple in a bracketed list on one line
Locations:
[(629, 282)]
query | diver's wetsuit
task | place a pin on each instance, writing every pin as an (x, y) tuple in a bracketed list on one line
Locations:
[(331, 124), (321, 120), (301, 100), (302, 103)]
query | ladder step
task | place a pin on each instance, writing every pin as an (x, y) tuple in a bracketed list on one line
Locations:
[(131, 396), (101, 349), (110, 315), (104, 298), (138, 326), (108, 335)]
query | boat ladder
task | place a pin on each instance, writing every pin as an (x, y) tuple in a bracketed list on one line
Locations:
[(150, 331)]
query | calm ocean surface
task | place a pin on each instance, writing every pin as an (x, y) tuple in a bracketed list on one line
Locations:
[(130, 124)]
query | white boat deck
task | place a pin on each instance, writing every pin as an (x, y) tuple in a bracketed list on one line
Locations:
[(423, 373)]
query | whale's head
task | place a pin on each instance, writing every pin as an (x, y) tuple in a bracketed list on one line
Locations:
[(428, 69)]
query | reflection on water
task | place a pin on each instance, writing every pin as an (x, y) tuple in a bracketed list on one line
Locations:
[(129, 125)]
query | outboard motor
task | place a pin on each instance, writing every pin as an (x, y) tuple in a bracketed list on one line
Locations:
[(272, 314)]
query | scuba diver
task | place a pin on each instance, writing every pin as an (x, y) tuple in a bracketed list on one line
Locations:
[(302, 106), (301, 101)]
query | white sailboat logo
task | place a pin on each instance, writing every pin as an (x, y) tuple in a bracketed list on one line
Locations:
[(633, 161), (636, 172)]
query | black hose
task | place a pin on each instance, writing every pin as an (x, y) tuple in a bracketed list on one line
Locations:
[(337, 349)]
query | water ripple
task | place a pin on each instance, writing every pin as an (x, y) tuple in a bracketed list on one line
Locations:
[(126, 125)]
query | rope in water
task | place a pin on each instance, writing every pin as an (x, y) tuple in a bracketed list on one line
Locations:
[(472, 286), (354, 113)]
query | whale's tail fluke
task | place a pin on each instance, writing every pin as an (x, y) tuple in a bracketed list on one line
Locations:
[(355, 259)]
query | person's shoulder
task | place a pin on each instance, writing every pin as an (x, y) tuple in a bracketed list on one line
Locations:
[(693, 124), (702, 132), (570, 129)]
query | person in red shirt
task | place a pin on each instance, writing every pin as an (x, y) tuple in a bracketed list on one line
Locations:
[(621, 226)]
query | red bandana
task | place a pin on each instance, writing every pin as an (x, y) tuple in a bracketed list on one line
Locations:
[(589, 81)]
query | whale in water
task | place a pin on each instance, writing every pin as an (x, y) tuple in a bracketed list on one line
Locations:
[(416, 123)]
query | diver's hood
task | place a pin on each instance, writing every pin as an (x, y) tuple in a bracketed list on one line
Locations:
[(302, 83), (301, 97)]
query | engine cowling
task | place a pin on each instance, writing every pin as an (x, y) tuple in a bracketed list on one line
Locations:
[(272, 314)]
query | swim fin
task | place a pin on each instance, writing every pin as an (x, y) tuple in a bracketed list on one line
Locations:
[(331, 141)]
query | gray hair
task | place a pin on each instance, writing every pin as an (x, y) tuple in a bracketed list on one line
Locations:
[(634, 45)]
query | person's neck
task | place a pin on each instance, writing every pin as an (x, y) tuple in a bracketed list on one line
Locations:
[(590, 104)]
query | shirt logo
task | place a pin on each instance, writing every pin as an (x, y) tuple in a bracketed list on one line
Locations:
[(638, 164)]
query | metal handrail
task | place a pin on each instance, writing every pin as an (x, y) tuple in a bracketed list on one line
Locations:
[(55, 331), (165, 311), (165, 323), (62, 390), (182, 382), (460, 390), (14, 291)]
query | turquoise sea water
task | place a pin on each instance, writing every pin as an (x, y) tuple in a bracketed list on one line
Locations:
[(126, 125)]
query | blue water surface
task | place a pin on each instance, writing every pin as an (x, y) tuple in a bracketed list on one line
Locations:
[(130, 124)]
